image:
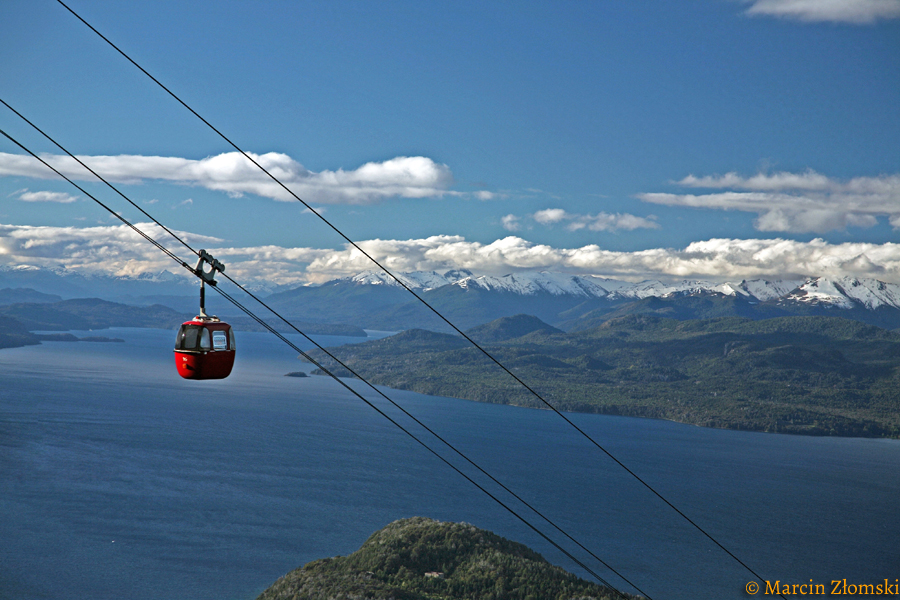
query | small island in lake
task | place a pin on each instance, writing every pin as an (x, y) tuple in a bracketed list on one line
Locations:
[(423, 559), (68, 337)]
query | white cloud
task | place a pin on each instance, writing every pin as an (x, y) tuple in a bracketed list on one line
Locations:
[(511, 223), (406, 176), (118, 250), (60, 197), (608, 222), (549, 216), (835, 11), (795, 202), (600, 222), (808, 180)]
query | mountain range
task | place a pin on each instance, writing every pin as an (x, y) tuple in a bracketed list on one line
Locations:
[(844, 292), (578, 301), (374, 300)]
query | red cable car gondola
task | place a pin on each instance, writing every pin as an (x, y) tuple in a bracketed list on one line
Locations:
[(204, 348), (205, 345)]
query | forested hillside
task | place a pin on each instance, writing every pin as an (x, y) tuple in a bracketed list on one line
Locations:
[(422, 559), (810, 375)]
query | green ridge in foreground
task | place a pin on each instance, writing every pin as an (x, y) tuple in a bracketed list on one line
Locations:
[(423, 559)]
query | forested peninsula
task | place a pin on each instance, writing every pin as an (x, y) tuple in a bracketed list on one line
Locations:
[(14, 334), (799, 375), (423, 559)]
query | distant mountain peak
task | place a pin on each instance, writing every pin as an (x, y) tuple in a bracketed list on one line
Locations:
[(764, 290), (508, 328), (847, 292)]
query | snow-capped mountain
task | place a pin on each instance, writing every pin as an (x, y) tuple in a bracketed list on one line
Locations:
[(417, 280), (762, 289), (528, 284), (845, 292), (560, 299)]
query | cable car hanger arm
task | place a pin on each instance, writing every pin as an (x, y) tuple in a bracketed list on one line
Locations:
[(208, 277)]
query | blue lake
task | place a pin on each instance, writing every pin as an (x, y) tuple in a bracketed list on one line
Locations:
[(119, 480)]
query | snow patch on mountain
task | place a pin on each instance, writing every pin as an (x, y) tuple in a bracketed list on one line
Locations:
[(531, 283), (764, 290), (820, 291)]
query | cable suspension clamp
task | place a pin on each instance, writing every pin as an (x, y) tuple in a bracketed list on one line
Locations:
[(206, 277)]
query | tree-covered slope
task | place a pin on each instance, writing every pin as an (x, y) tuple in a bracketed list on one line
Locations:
[(508, 328), (90, 313), (15, 295), (710, 306), (422, 559), (14, 334), (812, 375)]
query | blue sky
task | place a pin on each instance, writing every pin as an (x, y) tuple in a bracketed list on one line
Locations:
[(716, 139)]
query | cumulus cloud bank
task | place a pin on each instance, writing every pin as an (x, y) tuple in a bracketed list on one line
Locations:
[(118, 250), (716, 258), (231, 172), (795, 202), (835, 11), (115, 249)]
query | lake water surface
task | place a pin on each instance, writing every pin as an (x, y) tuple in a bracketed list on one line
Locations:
[(118, 479)]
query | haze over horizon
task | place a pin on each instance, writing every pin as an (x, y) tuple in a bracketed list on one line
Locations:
[(719, 140)]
